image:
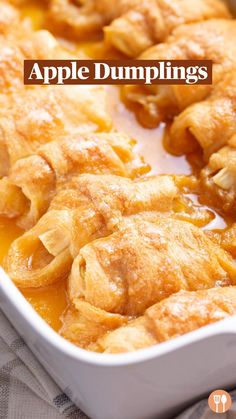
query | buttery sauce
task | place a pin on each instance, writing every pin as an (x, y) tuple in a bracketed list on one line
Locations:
[(50, 302)]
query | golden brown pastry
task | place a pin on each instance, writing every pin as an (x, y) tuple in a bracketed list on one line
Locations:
[(144, 262), (228, 239), (35, 179), (128, 244), (209, 124), (219, 177), (11, 22), (151, 22), (135, 24), (75, 19), (179, 314), (84, 325), (91, 207), (30, 118), (13, 51), (137, 334), (12, 201), (188, 42)]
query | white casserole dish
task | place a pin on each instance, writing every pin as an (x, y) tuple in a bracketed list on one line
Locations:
[(153, 383)]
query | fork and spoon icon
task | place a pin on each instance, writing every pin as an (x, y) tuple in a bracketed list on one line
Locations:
[(220, 399)]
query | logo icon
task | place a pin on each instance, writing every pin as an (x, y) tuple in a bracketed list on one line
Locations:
[(220, 401)]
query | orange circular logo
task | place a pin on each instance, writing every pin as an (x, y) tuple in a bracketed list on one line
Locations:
[(219, 401)]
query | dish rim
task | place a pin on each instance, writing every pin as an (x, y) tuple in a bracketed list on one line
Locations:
[(45, 331)]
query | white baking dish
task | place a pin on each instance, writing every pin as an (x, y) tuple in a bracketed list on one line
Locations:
[(152, 383)]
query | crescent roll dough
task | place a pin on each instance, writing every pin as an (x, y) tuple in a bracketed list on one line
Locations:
[(188, 42), (179, 314), (226, 239), (135, 25), (208, 124), (13, 51), (218, 178), (86, 324), (11, 21), (92, 207), (137, 30), (33, 117), (36, 179), (144, 263)]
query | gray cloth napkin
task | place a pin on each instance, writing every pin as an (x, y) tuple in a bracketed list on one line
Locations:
[(202, 410), (28, 392)]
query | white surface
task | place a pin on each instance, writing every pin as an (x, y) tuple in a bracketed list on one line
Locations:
[(152, 383)]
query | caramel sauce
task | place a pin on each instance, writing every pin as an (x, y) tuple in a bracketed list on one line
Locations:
[(50, 302), (8, 232)]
